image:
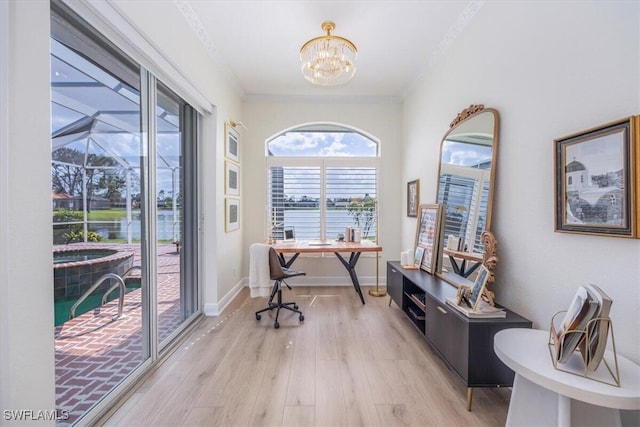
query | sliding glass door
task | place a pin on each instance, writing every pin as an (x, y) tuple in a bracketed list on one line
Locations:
[(124, 208)]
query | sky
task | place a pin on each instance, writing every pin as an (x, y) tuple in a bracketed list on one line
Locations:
[(324, 144)]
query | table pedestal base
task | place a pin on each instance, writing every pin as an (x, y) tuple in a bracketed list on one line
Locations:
[(536, 406)]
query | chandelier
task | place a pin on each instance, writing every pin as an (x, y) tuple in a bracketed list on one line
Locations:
[(328, 60)]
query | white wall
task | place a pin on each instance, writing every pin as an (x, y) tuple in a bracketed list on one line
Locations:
[(27, 352), (550, 69), (264, 119)]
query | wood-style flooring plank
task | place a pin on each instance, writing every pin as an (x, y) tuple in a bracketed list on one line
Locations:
[(346, 364), (330, 401), (299, 416), (302, 377)]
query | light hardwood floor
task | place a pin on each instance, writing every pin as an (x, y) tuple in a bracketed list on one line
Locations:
[(346, 364)]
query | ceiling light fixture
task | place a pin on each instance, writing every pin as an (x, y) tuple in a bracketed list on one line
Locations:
[(328, 60)]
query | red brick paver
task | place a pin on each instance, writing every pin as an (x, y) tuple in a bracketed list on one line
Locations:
[(95, 351)]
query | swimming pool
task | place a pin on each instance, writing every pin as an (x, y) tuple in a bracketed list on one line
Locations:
[(77, 267), (63, 307)]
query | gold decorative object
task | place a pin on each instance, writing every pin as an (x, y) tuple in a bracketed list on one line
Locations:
[(475, 129), (466, 113), (489, 260), (328, 60), (556, 341)]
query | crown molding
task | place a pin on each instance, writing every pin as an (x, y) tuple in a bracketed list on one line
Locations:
[(324, 99), (184, 6)]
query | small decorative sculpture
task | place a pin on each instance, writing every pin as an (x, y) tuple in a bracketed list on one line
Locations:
[(489, 260), (466, 113)]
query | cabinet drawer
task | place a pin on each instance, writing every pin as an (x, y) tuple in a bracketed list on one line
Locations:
[(449, 335), (394, 284)]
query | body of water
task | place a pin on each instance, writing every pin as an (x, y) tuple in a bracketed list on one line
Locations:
[(306, 223), (168, 229)]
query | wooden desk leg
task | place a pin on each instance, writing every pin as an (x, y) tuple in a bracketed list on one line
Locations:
[(377, 292), (469, 398)]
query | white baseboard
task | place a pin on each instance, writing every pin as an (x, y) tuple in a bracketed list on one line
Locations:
[(216, 308), (334, 281)]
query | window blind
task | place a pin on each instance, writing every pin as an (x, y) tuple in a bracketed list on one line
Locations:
[(462, 197), (320, 202), (294, 202), (351, 201)]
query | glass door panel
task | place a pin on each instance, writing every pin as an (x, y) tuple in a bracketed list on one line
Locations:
[(99, 287), (175, 292)]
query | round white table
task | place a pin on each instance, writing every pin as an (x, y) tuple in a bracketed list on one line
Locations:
[(545, 396)]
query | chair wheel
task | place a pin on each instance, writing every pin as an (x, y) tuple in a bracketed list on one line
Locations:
[(296, 306), (276, 325), (258, 316), (301, 318)]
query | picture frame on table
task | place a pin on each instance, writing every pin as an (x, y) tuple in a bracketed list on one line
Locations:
[(429, 234), (596, 180), (232, 143), (231, 214), (413, 198), (231, 179), (417, 256), (478, 288)]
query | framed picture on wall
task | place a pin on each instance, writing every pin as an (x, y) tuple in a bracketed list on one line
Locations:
[(231, 179), (231, 214), (232, 143), (413, 198), (429, 236), (596, 181)]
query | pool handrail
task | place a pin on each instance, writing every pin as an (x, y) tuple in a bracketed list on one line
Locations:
[(72, 312), (117, 285)]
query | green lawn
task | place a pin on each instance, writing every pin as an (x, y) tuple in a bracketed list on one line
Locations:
[(106, 215)]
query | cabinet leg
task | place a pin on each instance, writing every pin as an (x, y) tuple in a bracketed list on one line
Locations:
[(469, 397), (390, 300)]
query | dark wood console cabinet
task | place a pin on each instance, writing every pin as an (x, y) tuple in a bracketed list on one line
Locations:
[(466, 345)]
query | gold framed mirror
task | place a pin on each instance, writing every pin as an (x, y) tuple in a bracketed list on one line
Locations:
[(466, 178)]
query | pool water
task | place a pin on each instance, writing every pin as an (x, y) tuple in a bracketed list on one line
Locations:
[(63, 307)]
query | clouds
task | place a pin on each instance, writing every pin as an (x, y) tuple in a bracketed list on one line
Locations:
[(463, 154), (322, 144)]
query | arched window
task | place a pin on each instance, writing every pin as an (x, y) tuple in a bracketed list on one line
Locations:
[(322, 179)]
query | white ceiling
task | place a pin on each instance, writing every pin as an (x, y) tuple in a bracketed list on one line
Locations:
[(258, 42)]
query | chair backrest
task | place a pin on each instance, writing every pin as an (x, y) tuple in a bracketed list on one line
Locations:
[(275, 268)]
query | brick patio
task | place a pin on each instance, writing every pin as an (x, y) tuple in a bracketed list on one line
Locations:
[(94, 352)]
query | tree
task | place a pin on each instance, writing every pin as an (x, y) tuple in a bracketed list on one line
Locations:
[(66, 174), (112, 182), (363, 212)]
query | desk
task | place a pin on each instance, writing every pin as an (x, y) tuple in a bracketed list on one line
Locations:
[(543, 395), (306, 247), (461, 269)]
